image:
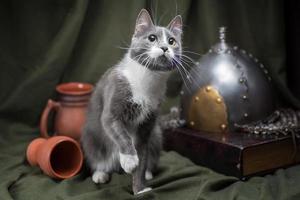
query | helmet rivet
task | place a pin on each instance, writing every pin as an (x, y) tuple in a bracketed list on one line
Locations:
[(245, 114), (261, 66), (192, 123), (196, 98), (208, 89), (223, 126), (244, 97), (219, 100)]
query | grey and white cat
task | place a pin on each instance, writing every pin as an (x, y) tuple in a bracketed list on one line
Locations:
[(121, 131)]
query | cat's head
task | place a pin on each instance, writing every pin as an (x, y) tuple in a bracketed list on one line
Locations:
[(157, 48)]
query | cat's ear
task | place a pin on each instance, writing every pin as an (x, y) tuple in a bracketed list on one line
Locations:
[(143, 23), (176, 25)]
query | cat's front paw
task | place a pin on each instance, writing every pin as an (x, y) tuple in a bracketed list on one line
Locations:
[(129, 162)]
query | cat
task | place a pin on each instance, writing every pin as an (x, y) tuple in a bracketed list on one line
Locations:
[(121, 130)]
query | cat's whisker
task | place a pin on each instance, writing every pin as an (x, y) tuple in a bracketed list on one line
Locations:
[(179, 62), (145, 59), (197, 75), (154, 12), (188, 75), (183, 78), (188, 71), (161, 18), (125, 43), (184, 70), (147, 63), (130, 48), (184, 59), (154, 62), (192, 52), (139, 56), (189, 59), (187, 62)]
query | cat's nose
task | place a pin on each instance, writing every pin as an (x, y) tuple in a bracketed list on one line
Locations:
[(164, 48)]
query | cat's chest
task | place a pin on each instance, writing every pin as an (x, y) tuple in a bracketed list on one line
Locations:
[(147, 88), (145, 104), (147, 95)]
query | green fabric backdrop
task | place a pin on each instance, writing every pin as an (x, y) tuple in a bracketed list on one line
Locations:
[(43, 43)]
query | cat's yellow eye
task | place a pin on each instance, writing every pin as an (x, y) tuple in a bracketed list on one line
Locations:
[(172, 41)]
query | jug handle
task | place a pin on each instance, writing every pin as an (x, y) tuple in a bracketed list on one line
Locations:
[(44, 119)]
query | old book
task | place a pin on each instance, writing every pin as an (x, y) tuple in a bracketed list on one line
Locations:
[(235, 154)]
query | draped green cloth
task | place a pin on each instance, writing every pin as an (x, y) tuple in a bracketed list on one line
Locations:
[(44, 43)]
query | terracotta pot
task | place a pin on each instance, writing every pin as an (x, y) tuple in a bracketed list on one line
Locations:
[(58, 157), (70, 109)]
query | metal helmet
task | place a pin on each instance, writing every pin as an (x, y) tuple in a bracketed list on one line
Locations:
[(228, 86)]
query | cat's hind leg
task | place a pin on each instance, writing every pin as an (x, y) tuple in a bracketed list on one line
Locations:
[(100, 177), (103, 169)]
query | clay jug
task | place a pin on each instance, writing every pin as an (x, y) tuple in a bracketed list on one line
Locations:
[(58, 157), (70, 109)]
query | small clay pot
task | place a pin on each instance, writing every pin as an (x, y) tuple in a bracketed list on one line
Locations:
[(58, 157), (70, 110)]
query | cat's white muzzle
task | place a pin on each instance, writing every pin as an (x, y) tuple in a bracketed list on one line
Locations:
[(156, 52)]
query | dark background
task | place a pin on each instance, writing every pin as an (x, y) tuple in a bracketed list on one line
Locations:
[(292, 20)]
